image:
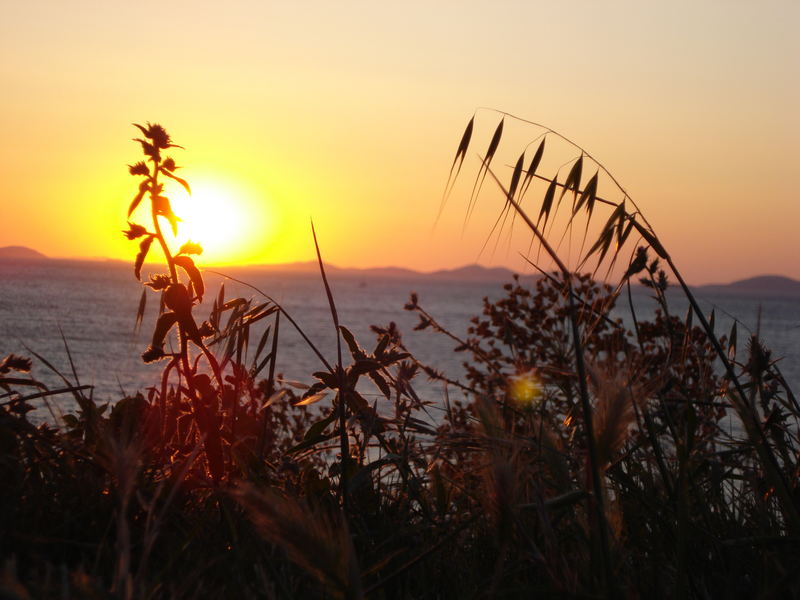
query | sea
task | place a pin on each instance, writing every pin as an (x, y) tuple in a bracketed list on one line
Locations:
[(79, 316)]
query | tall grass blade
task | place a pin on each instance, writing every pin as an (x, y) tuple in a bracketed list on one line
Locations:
[(140, 311), (329, 294), (344, 441)]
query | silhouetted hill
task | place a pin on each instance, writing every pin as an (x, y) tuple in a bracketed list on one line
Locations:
[(771, 285), (474, 273), (20, 253)]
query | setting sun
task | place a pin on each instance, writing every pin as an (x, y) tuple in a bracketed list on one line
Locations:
[(224, 218)]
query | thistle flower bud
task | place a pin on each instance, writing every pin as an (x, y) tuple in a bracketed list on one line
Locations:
[(134, 231), (140, 168)]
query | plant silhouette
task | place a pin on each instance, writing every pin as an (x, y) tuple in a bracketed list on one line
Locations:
[(576, 455)]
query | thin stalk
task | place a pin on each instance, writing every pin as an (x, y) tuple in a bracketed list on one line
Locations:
[(183, 338), (159, 235), (344, 440), (270, 378), (595, 501), (172, 271)]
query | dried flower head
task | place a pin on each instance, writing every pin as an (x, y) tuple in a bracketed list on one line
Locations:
[(159, 136), (159, 282), (169, 164), (134, 231), (140, 168), (12, 362), (153, 354), (157, 133)]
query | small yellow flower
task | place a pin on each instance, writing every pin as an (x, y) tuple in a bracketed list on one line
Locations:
[(525, 389)]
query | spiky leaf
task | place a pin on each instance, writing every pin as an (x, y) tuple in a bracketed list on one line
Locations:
[(355, 350), (187, 264), (163, 325), (134, 231), (180, 180), (143, 187), (164, 209), (144, 248)]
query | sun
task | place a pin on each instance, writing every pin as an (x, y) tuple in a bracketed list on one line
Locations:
[(224, 219)]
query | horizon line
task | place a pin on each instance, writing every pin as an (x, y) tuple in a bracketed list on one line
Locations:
[(312, 265)]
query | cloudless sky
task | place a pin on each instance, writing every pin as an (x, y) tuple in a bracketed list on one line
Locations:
[(350, 112)]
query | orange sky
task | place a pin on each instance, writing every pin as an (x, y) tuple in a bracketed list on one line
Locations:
[(350, 112)]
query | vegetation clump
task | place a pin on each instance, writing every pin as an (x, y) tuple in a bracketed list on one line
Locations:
[(579, 456)]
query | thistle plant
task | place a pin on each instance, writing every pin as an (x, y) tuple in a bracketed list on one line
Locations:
[(178, 297)]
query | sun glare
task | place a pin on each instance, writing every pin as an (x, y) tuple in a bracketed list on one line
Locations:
[(224, 219)]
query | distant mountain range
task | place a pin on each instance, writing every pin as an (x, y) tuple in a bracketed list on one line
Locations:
[(764, 284), (475, 273)]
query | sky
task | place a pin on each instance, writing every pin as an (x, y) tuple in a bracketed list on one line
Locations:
[(349, 113)]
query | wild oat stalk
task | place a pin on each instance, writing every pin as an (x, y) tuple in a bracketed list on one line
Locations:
[(618, 235)]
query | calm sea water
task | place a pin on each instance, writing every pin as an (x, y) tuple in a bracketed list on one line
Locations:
[(94, 305)]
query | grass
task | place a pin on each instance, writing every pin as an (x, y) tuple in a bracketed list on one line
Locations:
[(576, 458)]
